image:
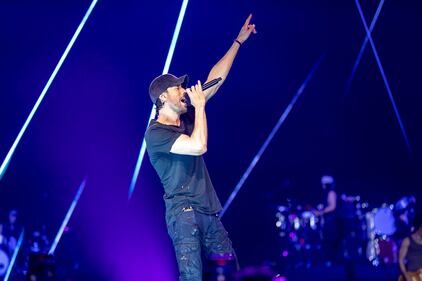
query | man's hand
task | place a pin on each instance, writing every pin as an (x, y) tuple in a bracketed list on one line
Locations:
[(196, 143), (246, 30), (318, 213), (196, 95), (223, 66)]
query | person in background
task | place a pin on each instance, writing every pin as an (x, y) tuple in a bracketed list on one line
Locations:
[(410, 254), (404, 212), (12, 230), (331, 236)]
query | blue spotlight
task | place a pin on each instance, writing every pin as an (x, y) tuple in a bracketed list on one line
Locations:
[(9, 155), (270, 137), (14, 256), (67, 218), (165, 70), (363, 47), (384, 77)]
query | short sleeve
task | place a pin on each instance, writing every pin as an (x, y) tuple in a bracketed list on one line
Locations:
[(160, 140)]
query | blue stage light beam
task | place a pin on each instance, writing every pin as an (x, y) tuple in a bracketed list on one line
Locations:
[(14, 256), (67, 218), (270, 137), (152, 114), (363, 47), (384, 77), (9, 155)]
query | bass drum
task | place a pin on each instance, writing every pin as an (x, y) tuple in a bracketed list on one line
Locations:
[(381, 248), (384, 222), (387, 251), (4, 262)]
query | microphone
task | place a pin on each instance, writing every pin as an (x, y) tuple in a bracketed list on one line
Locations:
[(211, 83), (207, 85)]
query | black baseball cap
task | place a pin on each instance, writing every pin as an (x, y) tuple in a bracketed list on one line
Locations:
[(165, 81)]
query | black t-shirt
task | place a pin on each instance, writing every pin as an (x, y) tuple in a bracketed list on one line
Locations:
[(185, 178), (326, 191)]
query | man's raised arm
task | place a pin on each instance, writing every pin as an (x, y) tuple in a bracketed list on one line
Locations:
[(222, 68)]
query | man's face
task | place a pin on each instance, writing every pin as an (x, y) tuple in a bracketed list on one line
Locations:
[(174, 98), (12, 218)]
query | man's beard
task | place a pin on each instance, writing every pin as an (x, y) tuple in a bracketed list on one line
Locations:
[(180, 107)]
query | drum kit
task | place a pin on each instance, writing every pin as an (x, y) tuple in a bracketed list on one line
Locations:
[(300, 233), (4, 258), (381, 246), (37, 243), (4, 262), (368, 233)]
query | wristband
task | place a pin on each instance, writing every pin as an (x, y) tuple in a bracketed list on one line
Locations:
[(237, 41)]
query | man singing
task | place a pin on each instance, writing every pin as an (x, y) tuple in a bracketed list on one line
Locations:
[(176, 141)]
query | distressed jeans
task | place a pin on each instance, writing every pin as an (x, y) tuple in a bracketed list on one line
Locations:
[(193, 232)]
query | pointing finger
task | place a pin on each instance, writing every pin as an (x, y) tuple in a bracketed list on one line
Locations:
[(248, 20)]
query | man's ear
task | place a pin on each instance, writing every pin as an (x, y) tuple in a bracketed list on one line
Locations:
[(163, 97)]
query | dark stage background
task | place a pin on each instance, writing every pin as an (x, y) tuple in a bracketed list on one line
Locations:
[(93, 119)]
